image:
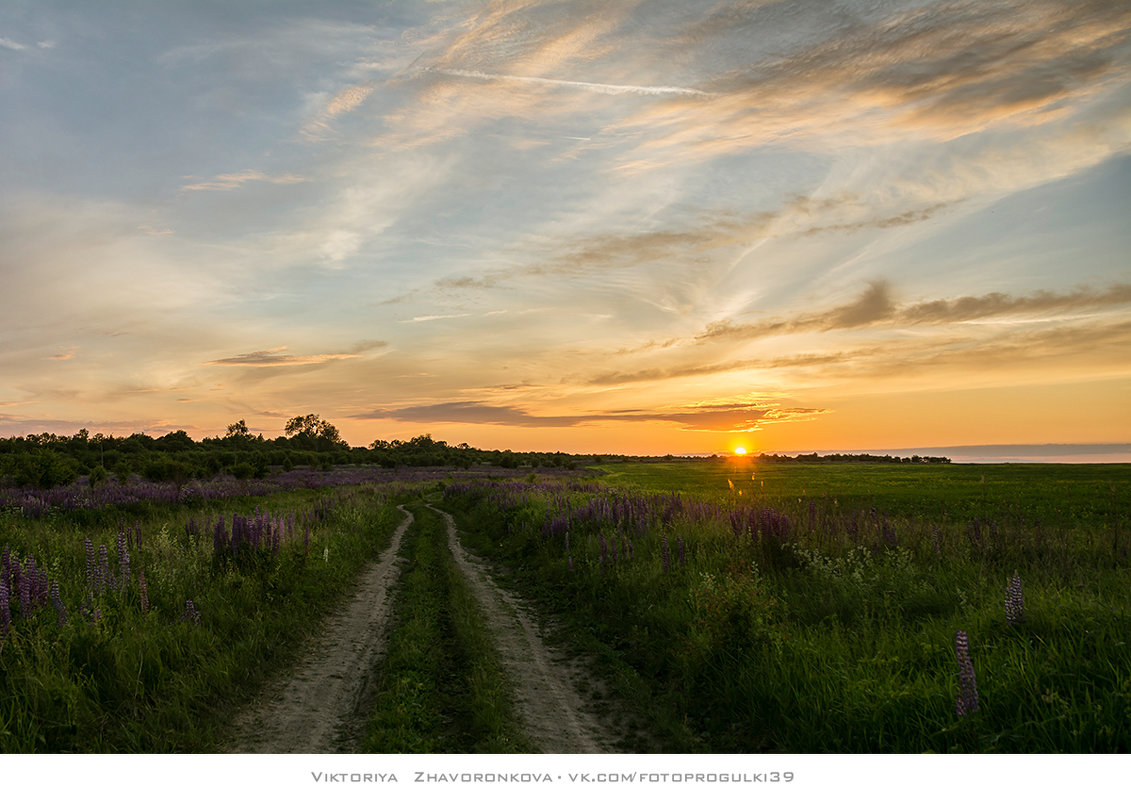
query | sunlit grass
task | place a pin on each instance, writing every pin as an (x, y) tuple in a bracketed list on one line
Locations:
[(817, 624)]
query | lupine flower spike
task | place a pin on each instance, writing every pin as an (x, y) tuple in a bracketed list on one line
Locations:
[(190, 615), (143, 591), (123, 562), (1014, 602), (967, 700), (5, 611), (57, 602)]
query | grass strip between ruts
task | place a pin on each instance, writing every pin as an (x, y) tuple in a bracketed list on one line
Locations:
[(440, 688)]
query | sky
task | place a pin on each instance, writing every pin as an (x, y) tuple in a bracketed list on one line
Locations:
[(664, 226)]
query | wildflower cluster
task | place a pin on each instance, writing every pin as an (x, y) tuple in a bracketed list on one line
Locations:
[(614, 521), (23, 583), (80, 495), (258, 533)]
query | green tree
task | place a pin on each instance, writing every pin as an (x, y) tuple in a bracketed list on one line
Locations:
[(312, 430), (238, 429)]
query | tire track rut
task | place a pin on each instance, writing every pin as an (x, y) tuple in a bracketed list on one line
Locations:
[(556, 717), (321, 707)]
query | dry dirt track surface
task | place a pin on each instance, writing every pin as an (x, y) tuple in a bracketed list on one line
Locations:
[(555, 715), (316, 709), (320, 708)]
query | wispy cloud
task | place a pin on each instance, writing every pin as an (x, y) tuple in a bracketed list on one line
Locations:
[(277, 357), (876, 305), (424, 318), (234, 180), (937, 71), (691, 241), (726, 417), (588, 86), (1000, 304), (343, 102), (1090, 349), (811, 200)]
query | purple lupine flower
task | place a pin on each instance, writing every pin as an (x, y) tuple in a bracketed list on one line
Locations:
[(5, 612), (123, 562), (887, 532), (665, 554), (57, 601), (143, 591), (22, 587), (219, 538), (190, 615), (91, 566), (967, 700), (105, 577), (40, 589), (1014, 602)]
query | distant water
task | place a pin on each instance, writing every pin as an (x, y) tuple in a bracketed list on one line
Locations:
[(1061, 453), (1052, 453)]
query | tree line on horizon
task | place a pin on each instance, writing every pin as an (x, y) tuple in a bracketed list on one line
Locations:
[(47, 460), (852, 457), (309, 441)]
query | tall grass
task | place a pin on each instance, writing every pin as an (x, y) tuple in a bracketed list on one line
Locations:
[(816, 626), (152, 632)]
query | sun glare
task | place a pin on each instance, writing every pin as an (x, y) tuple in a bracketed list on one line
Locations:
[(740, 451)]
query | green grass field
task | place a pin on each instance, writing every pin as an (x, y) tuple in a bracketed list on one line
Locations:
[(731, 606), (1074, 496), (815, 608)]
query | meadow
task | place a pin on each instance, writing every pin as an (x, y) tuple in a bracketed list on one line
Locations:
[(836, 608), (137, 627), (727, 605)]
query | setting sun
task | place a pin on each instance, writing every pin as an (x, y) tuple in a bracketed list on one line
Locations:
[(740, 451)]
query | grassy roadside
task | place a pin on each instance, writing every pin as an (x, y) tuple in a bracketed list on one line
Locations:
[(148, 649), (440, 689), (737, 627), (648, 721)]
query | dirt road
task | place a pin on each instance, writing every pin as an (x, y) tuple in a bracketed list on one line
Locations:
[(557, 718), (320, 708)]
